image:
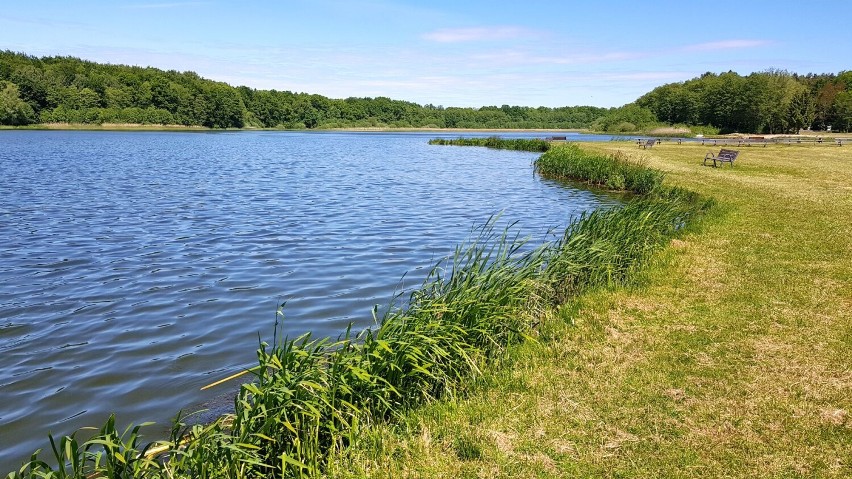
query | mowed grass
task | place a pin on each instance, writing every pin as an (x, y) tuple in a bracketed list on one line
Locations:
[(731, 356)]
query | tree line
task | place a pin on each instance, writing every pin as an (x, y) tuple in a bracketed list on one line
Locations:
[(67, 89), (70, 90), (774, 101)]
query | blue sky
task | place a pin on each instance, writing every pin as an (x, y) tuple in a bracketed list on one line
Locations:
[(450, 53)]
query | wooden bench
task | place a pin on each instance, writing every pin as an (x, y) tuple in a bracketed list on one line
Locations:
[(752, 140), (647, 144), (724, 156)]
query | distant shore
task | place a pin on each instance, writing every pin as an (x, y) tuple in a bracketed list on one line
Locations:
[(154, 127), (107, 127), (660, 132), (463, 130)]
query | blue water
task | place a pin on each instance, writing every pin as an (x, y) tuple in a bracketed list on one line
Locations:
[(137, 267)]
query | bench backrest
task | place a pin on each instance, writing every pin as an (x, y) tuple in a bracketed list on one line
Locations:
[(728, 154)]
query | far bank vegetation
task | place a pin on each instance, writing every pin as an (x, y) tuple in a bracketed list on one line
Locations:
[(67, 90)]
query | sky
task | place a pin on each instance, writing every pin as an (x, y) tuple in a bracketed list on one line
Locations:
[(444, 52)]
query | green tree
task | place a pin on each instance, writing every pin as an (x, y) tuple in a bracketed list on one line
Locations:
[(673, 103), (843, 111), (119, 97), (33, 85), (14, 110), (627, 118), (144, 95), (224, 107), (801, 111), (304, 113), (845, 79), (824, 104), (786, 106), (88, 98)]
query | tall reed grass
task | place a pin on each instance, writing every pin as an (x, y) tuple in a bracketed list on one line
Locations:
[(523, 144), (617, 172), (313, 397)]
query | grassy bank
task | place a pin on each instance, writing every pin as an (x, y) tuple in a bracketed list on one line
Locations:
[(312, 400), (728, 357)]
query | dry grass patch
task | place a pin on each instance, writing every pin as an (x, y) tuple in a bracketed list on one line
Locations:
[(668, 130)]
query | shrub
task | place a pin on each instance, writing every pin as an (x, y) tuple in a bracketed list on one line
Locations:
[(623, 127)]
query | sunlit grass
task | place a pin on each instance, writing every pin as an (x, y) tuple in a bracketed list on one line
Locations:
[(727, 357), (312, 400)]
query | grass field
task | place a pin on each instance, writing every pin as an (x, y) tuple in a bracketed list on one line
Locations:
[(731, 356)]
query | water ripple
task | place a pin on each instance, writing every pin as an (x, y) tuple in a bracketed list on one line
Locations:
[(137, 267)]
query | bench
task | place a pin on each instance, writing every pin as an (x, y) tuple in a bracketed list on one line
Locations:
[(647, 144), (724, 156), (752, 140)]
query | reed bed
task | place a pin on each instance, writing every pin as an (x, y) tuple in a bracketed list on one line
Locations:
[(313, 397), (617, 171), (522, 144)]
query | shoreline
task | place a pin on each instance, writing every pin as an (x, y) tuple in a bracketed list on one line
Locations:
[(104, 127), (133, 127), (153, 127), (674, 359), (713, 364), (447, 344)]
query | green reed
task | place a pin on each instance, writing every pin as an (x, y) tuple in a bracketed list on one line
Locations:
[(616, 172), (313, 397), (523, 144)]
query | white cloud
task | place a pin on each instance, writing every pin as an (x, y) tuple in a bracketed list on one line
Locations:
[(726, 45), (143, 6), (668, 76), (476, 34)]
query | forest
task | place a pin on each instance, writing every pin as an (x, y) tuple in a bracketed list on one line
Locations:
[(71, 90), (774, 101)]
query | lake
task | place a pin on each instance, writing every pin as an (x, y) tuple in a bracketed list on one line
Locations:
[(137, 267)]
